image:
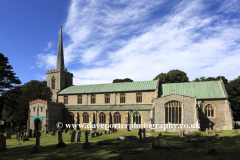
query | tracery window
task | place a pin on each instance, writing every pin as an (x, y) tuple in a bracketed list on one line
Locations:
[(173, 112)]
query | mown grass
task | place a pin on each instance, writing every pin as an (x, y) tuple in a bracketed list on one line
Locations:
[(228, 150)]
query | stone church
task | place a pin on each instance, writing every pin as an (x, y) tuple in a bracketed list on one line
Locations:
[(141, 103)]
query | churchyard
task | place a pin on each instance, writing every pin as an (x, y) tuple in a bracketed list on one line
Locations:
[(102, 145)]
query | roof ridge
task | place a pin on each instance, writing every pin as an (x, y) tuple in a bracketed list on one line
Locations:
[(193, 82), (114, 83)]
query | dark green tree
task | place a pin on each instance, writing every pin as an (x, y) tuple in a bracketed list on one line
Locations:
[(233, 90), (7, 77), (161, 77), (176, 76), (122, 80), (16, 101)]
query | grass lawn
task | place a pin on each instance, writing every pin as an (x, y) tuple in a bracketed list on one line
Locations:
[(228, 150)]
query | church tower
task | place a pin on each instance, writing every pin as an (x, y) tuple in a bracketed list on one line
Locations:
[(58, 78)]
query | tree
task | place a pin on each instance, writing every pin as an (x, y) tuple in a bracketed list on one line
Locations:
[(7, 77), (173, 76), (233, 90), (161, 77), (122, 80), (225, 81), (16, 101)]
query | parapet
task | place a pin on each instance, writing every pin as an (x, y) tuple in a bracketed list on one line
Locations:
[(38, 101)]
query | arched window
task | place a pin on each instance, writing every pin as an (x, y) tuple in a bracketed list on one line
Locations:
[(66, 82), (173, 112), (102, 118), (53, 83), (79, 99), (85, 117), (93, 98), (117, 118), (137, 118), (209, 111), (122, 98), (71, 118), (107, 98), (139, 97)]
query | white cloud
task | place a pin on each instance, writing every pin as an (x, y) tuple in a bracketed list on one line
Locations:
[(137, 40), (46, 60), (49, 46), (41, 77)]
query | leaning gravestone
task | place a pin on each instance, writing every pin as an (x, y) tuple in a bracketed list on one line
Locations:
[(29, 133), (78, 136), (37, 148), (73, 136), (206, 130), (140, 134), (8, 135)]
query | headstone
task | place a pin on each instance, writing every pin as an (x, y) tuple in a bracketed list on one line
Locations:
[(86, 144), (105, 131), (8, 135), (29, 133), (92, 134), (16, 136), (181, 133), (2, 142), (214, 132), (66, 130), (97, 134), (144, 133), (78, 136), (78, 128), (73, 136), (206, 130), (37, 148), (70, 132), (109, 132), (140, 134), (59, 133)]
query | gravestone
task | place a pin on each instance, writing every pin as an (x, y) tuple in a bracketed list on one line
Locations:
[(29, 133), (34, 133), (140, 134), (86, 144), (206, 130), (60, 140), (109, 132), (8, 135), (66, 130), (144, 133), (25, 137), (73, 136), (97, 134), (2, 142), (78, 136), (70, 132), (105, 132), (181, 133), (16, 136), (37, 148), (92, 134), (214, 132), (78, 128)]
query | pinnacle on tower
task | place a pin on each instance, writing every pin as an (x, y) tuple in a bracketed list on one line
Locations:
[(60, 56)]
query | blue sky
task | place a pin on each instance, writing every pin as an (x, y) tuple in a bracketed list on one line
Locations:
[(105, 40)]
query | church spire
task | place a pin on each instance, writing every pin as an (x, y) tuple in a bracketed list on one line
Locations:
[(60, 57)]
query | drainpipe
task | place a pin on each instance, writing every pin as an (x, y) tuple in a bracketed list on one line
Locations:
[(96, 120), (130, 120)]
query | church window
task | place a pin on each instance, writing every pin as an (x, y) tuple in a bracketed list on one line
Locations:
[(139, 97), (173, 112), (93, 98), (102, 118), (33, 109), (107, 98), (66, 82), (85, 117), (117, 118), (209, 111), (136, 118), (65, 99), (79, 99), (122, 98), (71, 118), (53, 83), (41, 109)]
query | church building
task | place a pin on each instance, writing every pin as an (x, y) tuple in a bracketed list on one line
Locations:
[(142, 103)]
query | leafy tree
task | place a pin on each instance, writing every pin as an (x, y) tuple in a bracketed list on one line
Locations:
[(161, 77), (7, 77), (173, 76), (225, 81), (122, 80), (233, 90), (16, 101)]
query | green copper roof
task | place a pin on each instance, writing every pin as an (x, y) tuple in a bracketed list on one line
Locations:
[(110, 108), (202, 90), (111, 87)]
